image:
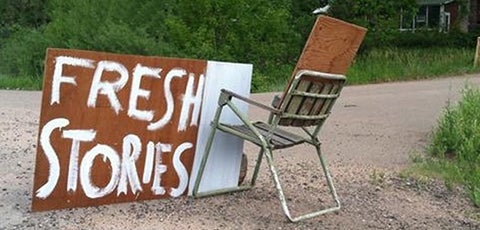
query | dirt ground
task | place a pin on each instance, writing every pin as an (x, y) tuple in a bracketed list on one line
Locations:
[(368, 141)]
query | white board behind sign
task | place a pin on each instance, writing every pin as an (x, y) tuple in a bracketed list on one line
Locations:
[(223, 166)]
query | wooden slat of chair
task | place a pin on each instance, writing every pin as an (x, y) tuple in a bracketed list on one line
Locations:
[(288, 135), (279, 138), (295, 103), (308, 107), (320, 104), (316, 102), (328, 104), (309, 102), (245, 131), (313, 96)]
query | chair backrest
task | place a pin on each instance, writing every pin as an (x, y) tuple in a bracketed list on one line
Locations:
[(309, 98)]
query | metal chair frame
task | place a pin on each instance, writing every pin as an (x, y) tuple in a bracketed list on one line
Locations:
[(307, 102)]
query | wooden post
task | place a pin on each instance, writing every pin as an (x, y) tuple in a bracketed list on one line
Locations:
[(477, 53)]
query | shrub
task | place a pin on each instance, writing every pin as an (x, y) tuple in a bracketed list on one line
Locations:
[(458, 138), (420, 40), (459, 128), (272, 78), (428, 39), (23, 53)]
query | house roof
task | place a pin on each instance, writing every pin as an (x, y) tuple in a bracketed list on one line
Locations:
[(434, 2)]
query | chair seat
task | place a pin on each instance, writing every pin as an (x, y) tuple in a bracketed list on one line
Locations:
[(279, 140)]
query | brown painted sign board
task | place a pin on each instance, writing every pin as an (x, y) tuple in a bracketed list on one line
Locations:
[(115, 128), (331, 47)]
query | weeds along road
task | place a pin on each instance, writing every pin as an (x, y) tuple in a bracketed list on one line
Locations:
[(368, 139)]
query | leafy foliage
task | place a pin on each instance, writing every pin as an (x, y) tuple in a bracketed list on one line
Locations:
[(458, 137), (254, 31), (268, 34), (22, 54), (25, 13), (429, 39), (381, 17)]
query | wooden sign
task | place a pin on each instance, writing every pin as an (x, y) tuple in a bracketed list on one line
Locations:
[(116, 128), (330, 48)]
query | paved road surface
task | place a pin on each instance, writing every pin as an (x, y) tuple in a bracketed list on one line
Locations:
[(382, 124), (372, 127)]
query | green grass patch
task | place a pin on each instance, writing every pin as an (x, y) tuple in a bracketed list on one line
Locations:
[(375, 66), (393, 64), (20, 83), (385, 65), (430, 167), (454, 153)]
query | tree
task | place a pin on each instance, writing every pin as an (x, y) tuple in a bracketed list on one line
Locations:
[(26, 13), (381, 17), (269, 34)]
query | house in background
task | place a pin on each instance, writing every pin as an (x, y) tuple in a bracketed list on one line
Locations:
[(474, 19), (441, 15)]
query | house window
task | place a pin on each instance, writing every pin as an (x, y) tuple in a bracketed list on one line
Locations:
[(421, 18), (433, 16), (428, 17)]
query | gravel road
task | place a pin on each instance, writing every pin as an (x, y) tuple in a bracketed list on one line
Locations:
[(368, 141)]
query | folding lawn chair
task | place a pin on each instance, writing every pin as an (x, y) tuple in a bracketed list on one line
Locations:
[(305, 104)]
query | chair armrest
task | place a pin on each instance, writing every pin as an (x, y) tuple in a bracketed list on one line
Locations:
[(249, 101)]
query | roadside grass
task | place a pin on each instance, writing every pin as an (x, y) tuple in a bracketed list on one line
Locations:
[(20, 83), (375, 66), (454, 152), (430, 167), (394, 64), (386, 65)]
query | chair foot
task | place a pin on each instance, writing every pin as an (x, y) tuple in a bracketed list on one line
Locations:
[(313, 214), (221, 191), (283, 199), (243, 173)]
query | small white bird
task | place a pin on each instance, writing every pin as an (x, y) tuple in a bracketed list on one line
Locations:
[(322, 10)]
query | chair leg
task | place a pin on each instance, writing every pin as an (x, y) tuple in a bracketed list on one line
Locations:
[(333, 191), (281, 194), (257, 167), (278, 186), (201, 169), (203, 163)]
